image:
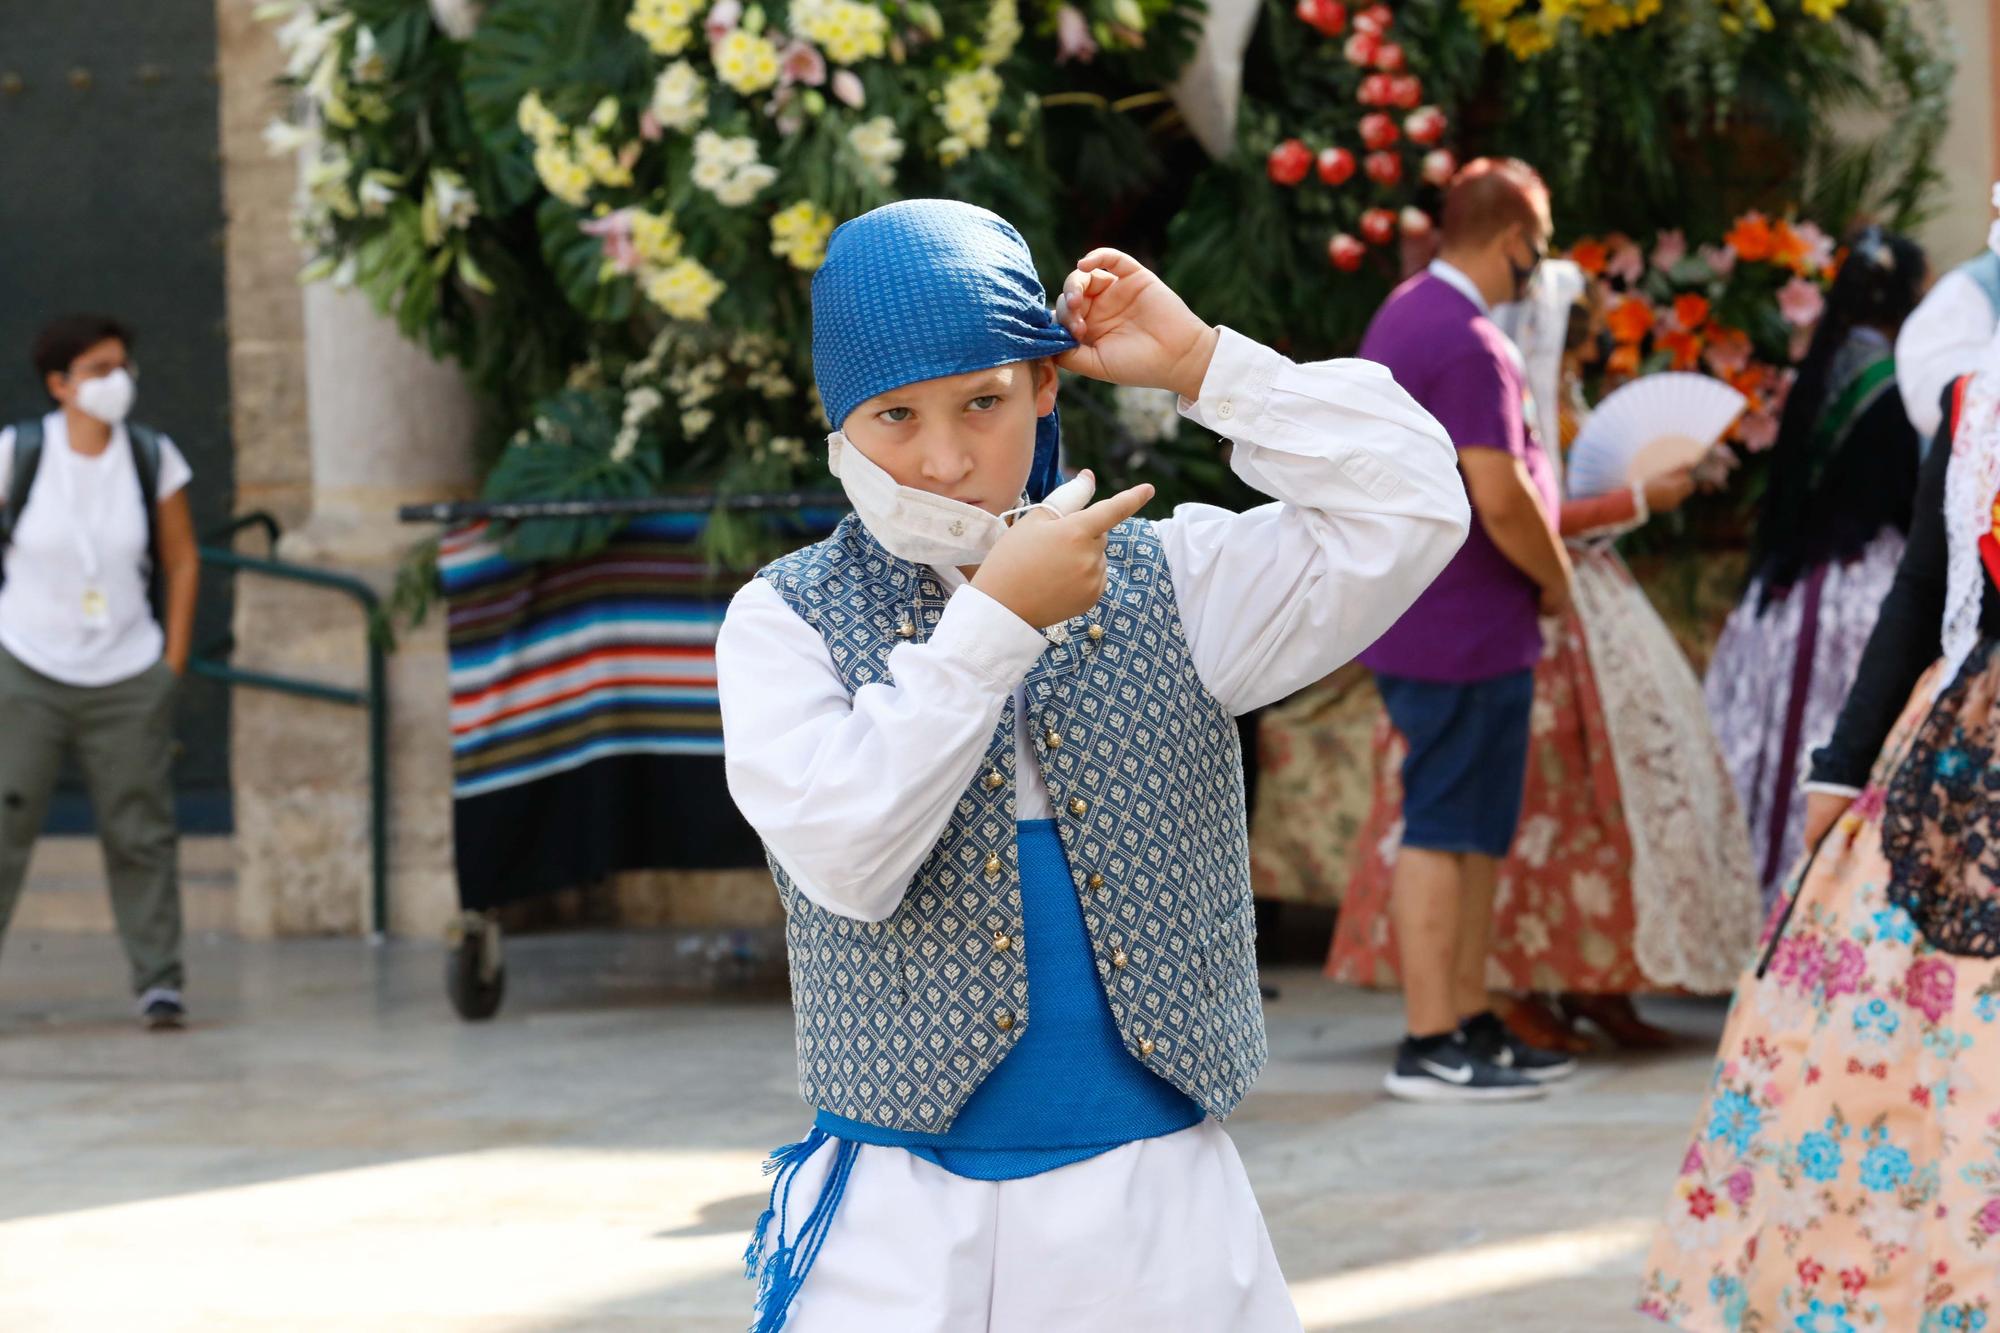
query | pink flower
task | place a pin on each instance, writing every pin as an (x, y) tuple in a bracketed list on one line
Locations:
[(1847, 970), (1819, 245), (801, 62), (1927, 987), (1721, 260), (1988, 1218), (614, 230), (1800, 344), (1800, 961), (650, 128), (1691, 1164), (1774, 1093), (1741, 1186), (1073, 39), (1758, 431), (1670, 249), (723, 18), (1801, 303), (847, 87), (1625, 261)]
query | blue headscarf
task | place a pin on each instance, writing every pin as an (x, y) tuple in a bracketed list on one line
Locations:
[(926, 288)]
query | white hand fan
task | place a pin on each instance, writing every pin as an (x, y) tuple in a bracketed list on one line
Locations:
[(1655, 425)]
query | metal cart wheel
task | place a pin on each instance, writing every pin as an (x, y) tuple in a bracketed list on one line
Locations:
[(475, 969)]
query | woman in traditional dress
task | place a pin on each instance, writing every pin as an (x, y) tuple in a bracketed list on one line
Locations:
[(1845, 1171), (1632, 871), (1831, 527)]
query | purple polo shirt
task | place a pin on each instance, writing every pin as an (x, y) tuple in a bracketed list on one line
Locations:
[(1479, 619)]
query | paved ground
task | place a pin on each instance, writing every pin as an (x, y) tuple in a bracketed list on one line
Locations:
[(330, 1148)]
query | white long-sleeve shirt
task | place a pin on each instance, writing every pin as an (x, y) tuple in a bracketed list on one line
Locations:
[(1945, 336), (851, 792)]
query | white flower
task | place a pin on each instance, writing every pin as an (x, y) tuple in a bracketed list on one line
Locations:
[(449, 205), (1148, 415), (627, 441), (680, 98), (1003, 32), (379, 189), (307, 39), (281, 137), (875, 142), (641, 403), (695, 422), (369, 65), (1591, 892), (728, 168), (1537, 840)]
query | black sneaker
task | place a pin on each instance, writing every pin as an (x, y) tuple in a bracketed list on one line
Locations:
[(1448, 1071), (1494, 1042), (162, 1011)]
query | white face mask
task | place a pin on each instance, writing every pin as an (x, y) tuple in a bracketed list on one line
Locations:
[(108, 398), (930, 529)]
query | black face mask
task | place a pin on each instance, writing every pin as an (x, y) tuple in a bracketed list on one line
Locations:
[(1523, 276)]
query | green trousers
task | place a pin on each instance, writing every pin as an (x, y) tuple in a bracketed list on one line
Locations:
[(122, 736)]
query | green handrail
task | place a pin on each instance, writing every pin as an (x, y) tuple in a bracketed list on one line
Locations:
[(212, 663)]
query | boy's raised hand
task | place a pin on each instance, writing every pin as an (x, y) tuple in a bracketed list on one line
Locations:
[(1046, 569), (1132, 328)]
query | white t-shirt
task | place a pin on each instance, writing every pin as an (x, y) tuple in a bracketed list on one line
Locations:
[(56, 618)]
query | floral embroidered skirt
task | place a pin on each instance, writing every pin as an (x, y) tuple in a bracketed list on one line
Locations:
[(1632, 870), (1845, 1171)]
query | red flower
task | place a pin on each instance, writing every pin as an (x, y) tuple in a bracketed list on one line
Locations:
[(1378, 131), (1374, 20), (1685, 346), (1389, 57), (1853, 1280), (1345, 252), (1691, 310), (1409, 91), (1376, 90), (1630, 320), (1751, 237), (1362, 47), (1289, 162), (1590, 256), (1426, 125), (1701, 1204), (1327, 17), (1336, 166), (1920, 1095), (1439, 166), (1811, 1271), (1378, 226), (1384, 168), (1812, 1075)]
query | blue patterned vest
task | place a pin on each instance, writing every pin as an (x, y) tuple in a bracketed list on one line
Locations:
[(900, 1020)]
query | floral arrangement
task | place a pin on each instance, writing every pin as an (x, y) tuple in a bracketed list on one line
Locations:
[(1741, 310)]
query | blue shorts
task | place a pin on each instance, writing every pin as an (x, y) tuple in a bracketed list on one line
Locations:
[(1468, 759)]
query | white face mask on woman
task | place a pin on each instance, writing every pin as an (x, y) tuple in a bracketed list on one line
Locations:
[(930, 529), (108, 398)]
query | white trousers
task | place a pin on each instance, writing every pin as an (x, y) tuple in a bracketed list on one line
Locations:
[(1162, 1235)]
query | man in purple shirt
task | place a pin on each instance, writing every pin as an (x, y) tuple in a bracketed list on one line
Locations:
[(1457, 671)]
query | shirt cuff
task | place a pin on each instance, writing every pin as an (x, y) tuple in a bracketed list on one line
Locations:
[(986, 636), (1237, 387), (1831, 789)]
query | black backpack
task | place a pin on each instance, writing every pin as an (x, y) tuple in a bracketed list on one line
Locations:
[(145, 461)]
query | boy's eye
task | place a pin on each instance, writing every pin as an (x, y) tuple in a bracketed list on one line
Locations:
[(985, 402), (895, 416)]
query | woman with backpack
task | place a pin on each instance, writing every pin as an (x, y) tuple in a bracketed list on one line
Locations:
[(98, 575)]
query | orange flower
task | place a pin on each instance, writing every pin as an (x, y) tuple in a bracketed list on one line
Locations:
[(1751, 237), (1624, 360), (1630, 320), (1590, 256), (1685, 346), (1691, 310), (1787, 246), (1748, 381)]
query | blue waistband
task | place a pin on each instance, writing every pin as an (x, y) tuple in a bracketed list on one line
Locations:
[(1069, 1089)]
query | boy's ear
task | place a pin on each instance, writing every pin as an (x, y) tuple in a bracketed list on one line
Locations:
[(1047, 384)]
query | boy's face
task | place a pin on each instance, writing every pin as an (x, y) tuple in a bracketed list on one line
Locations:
[(969, 437)]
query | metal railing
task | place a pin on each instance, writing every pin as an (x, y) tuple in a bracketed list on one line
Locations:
[(212, 662), (469, 511)]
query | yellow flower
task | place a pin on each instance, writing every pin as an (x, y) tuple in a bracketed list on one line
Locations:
[(746, 62), (799, 234), (969, 102), (1529, 37), (1824, 10), (1128, 13), (655, 237), (685, 290), (1003, 32), (666, 25), (562, 175), (847, 31), (536, 120), (604, 166), (680, 100)]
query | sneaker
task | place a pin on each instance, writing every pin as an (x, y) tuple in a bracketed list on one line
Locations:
[(1449, 1071), (1494, 1042), (162, 1011)]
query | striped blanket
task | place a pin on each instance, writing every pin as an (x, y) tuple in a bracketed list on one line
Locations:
[(586, 736)]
